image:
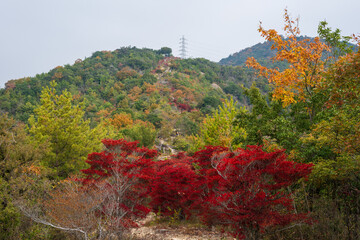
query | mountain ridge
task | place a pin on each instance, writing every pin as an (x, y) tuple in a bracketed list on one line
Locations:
[(140, 85)]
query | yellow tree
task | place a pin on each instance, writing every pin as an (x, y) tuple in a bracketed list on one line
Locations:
[(299, 81)]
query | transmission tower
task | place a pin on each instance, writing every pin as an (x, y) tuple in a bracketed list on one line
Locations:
[(183, 44)]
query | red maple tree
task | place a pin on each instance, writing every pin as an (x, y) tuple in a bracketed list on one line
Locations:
[(245, 189), (125, 171), (175, 188)]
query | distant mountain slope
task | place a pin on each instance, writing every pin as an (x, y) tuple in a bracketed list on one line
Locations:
[(258, 51), (262, 52)]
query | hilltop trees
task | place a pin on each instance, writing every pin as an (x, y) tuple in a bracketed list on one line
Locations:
[(166, 51), (143, 83)]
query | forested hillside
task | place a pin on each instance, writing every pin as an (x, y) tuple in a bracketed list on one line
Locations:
[(261, 52), (140, 82), (90, 149)]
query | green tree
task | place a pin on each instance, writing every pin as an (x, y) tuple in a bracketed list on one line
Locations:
[(209, 103), (267, 121), (18, 158), (60, 123), (144, 132), (218, 129), (340, 45), (166, 51)]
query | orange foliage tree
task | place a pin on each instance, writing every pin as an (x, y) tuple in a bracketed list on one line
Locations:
[(121, 120), (149, 88), (125, 73), (135, 93), (303, 75)]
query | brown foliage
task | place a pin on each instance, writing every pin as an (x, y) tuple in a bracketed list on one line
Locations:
[(126, 72)]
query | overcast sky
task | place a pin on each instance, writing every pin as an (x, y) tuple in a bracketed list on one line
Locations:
[(38, 35)]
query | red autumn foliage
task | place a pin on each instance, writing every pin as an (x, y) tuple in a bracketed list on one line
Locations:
[(127, 172), (244, 190), (182, 106), (175, 186)]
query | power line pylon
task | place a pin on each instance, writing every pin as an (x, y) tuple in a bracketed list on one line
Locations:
[(183, 44)]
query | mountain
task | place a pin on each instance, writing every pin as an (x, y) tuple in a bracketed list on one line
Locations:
[(263, 53), (140, 84), (260, 51), (106, 78)]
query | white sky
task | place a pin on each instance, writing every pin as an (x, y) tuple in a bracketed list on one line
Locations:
[(38, 35)]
